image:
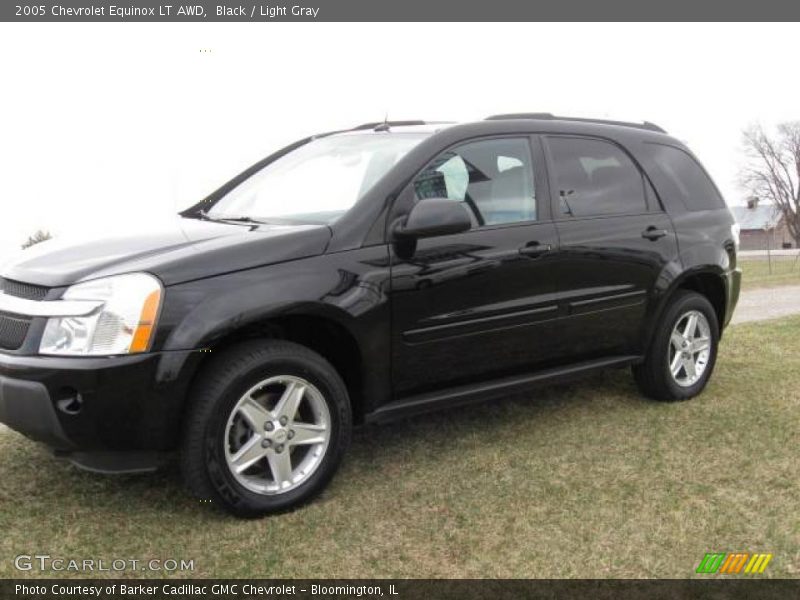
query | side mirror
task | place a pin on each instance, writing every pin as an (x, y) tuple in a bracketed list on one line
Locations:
[(434, 216)]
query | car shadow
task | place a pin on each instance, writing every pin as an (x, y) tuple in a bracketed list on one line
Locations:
[(48, 482), (536, 409)]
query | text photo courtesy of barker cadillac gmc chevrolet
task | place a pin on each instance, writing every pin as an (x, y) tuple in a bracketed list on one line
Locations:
[(366, 275)]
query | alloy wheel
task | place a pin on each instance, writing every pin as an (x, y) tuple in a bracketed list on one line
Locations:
[(277, 435), (689, 348)]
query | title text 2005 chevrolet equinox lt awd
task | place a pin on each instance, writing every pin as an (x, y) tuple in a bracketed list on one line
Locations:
[(364, 275)]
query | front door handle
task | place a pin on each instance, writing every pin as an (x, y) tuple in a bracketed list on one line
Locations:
[(534, 249), (652, 233)]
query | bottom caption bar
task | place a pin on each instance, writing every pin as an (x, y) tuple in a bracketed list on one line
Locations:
[(405, 589)]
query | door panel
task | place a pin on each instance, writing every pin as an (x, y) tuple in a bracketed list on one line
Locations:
[(615, 244), (607, 273), (479, 304), (471, 306)]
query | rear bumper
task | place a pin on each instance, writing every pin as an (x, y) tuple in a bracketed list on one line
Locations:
[(82, 406), (733, 285)]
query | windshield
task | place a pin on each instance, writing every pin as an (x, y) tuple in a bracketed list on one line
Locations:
[(319, 181)]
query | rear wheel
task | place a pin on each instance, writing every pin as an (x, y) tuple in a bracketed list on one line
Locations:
[(683, 352), (267, 429)]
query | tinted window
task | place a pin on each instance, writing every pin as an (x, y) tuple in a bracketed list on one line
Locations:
[(691, 182), (493, 178), (594, 177)]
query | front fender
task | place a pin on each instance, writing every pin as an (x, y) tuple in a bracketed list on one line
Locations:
[(346, 288), (229, 304)]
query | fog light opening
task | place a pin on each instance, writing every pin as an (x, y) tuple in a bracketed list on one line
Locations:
[(69, 401)]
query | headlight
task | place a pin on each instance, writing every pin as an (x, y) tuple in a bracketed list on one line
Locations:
[(124, 324)]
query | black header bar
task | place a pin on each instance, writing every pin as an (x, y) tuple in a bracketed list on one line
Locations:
[(396, 10)]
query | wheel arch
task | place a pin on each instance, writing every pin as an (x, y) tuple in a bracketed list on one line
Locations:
[(317, 328), (706, 280)]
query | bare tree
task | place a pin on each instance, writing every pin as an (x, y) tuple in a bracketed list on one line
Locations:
[(39, 236), (773, 170)]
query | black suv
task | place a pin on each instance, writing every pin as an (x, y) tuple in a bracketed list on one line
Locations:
[(365, 275)]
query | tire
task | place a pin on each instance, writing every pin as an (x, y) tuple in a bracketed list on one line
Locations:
[(223, 430), (654, 376)]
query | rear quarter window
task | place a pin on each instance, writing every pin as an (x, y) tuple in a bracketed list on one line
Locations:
[(690, 181)]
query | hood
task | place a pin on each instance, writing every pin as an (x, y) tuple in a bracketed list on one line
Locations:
[(178, 251)]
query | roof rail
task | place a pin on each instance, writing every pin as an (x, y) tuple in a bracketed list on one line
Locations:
[(387, 123), (551, 117)]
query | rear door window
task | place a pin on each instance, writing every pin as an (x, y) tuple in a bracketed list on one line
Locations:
[(595, 178)]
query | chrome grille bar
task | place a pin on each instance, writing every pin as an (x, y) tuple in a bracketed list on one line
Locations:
[(52, 308)]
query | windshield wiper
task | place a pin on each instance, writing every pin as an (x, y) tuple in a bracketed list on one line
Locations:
[(232, 218)]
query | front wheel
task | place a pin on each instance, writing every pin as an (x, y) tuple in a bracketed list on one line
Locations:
[(683, 352), (269, 424)]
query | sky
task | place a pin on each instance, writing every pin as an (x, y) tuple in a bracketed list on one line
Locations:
[(110, 127)]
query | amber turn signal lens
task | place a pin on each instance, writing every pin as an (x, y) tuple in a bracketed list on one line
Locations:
[(147, 321)]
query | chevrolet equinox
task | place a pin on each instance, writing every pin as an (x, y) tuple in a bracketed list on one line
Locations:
[(364, 275)]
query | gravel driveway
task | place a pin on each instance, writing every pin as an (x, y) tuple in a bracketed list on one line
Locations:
[(754, 305), (767, 303)]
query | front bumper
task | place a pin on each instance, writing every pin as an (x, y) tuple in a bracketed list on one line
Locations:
[(80, 405), (26, 406)]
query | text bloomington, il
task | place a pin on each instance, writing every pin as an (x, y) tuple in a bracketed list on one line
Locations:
[(252, 11)]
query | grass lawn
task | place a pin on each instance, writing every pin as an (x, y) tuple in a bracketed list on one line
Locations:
[(756, 274), (583, 480)]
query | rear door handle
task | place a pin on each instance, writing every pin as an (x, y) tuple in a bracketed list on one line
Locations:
[(534, 249), (652, 233)]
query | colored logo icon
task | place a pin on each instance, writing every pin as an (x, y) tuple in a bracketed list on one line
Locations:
[(733, 563)]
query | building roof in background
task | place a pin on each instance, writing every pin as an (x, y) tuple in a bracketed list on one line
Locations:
[(762, 216)]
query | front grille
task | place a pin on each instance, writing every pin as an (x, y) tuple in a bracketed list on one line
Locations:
[(13, 330), (23, 290)]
